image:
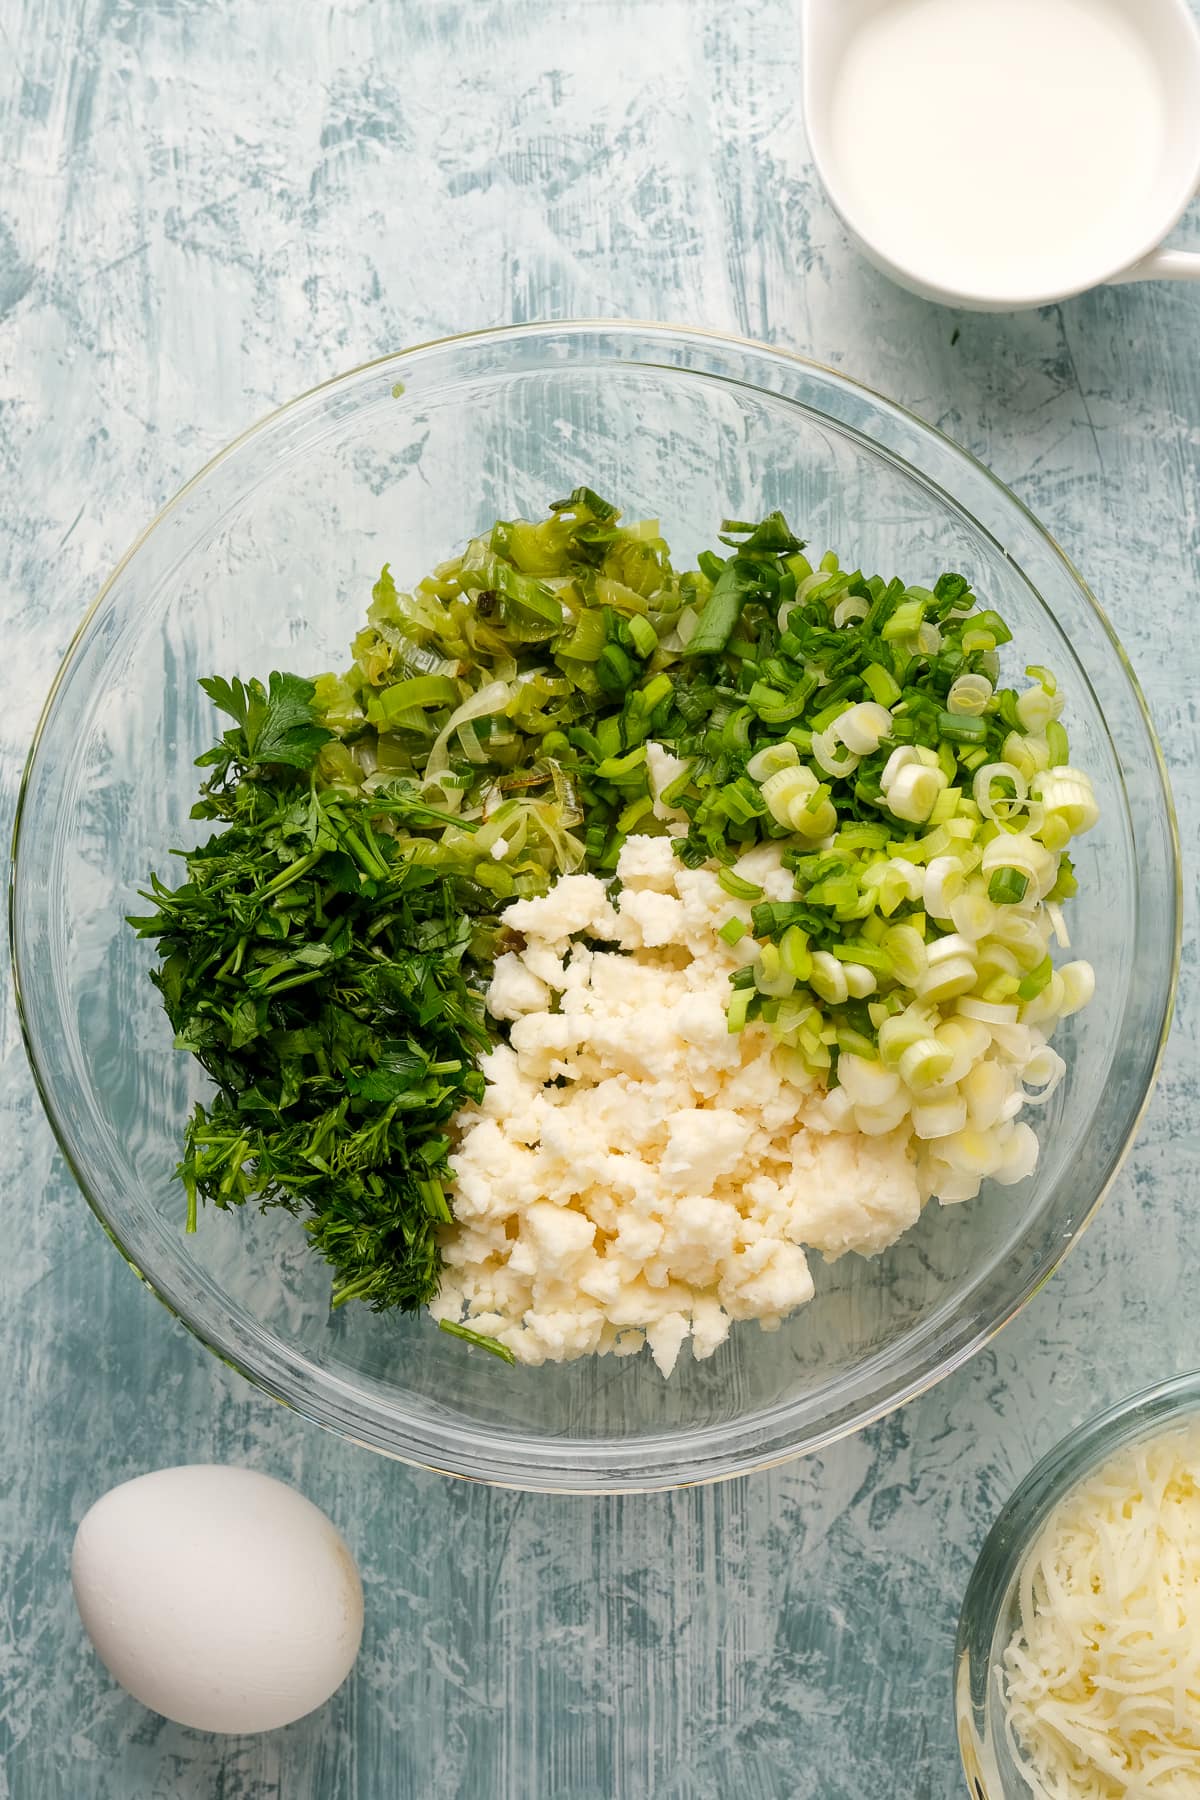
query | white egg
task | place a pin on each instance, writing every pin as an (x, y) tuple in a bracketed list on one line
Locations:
[(218, 1597)]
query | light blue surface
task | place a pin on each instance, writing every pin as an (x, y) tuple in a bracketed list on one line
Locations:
[(206, 208)]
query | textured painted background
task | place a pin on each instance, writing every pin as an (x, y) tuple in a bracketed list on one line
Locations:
[(205, 206)]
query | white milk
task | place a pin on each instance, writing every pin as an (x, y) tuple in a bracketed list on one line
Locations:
[(996, 146)]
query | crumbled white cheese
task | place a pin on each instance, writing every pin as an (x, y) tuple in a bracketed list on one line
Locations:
[(515, 989), (643, 866), (663, 767), (575, 903), (636, 1171)]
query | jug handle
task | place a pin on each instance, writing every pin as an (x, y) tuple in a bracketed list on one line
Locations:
[(1163, 264)]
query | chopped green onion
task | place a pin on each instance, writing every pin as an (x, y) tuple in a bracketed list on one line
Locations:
[(421, 691), (738, 1009), (590, 636), (1008, 887), (881, 685), (856, 836), (739, 888), (993, 625), (733, 930), (634, 813), (1057, 744), (785, 708), (905, 622), (673, 793), (1066, 886), (742, 801), (1037, 979), (957, 728), (774, 916), (835, 891), (770, 975), (587, 500), (614, 671), (871, 956), (946, 806), (795, 953), (656, 690), (969, 695), (616, 768), (721, 612), (623, 600), (645, 638)]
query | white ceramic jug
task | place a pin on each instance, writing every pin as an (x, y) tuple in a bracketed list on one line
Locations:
[(999, 154)]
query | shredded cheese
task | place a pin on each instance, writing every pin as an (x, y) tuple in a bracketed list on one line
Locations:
[(1102, 1676)]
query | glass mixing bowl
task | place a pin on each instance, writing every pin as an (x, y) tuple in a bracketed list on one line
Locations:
[(266, 561), (993, 1760)]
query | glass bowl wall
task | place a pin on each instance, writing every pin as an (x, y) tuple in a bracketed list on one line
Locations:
[(266, 561)]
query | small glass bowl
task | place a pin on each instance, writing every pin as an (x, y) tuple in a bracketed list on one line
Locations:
[(265, 561), (992, 1760)]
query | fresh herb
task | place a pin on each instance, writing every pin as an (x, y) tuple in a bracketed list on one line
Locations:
[(324, 978), (275, 724), (477, 1338)]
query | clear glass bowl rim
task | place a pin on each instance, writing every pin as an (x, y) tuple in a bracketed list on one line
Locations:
[(328, 1399), (1144, 1414)]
